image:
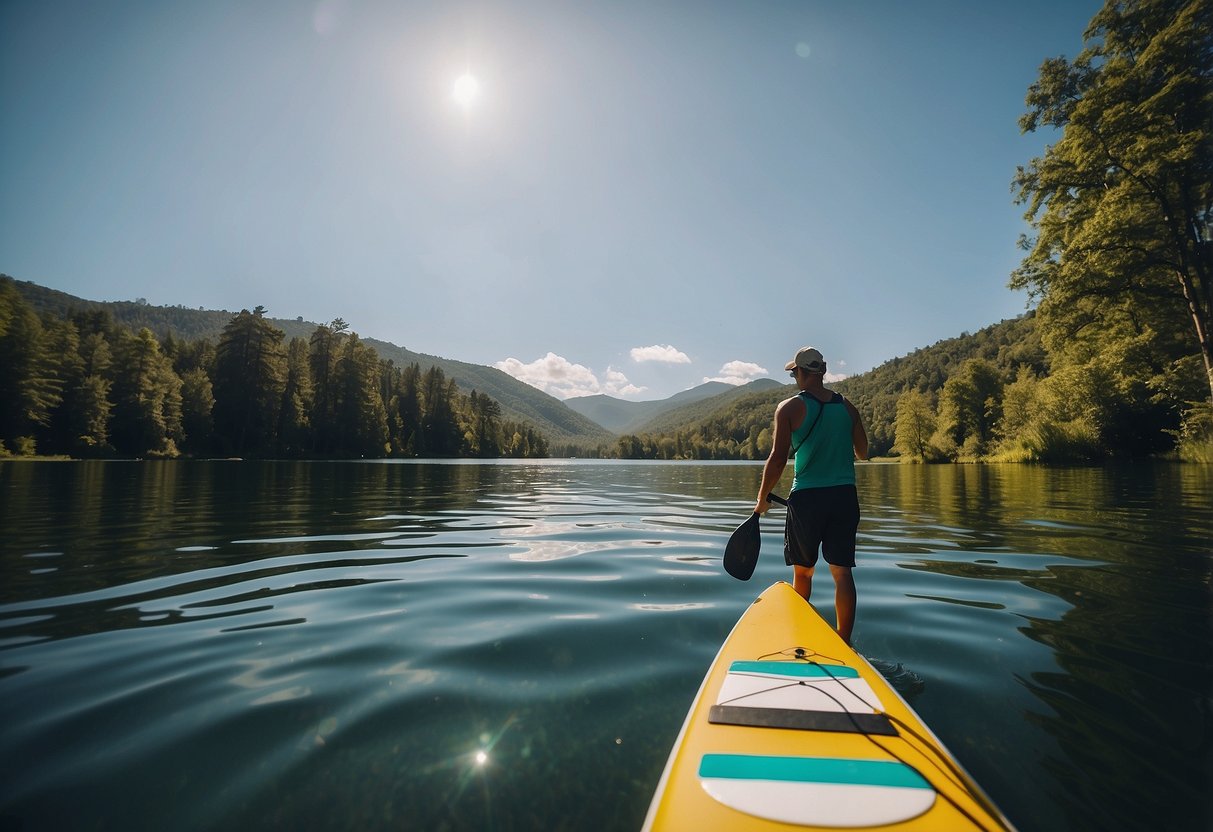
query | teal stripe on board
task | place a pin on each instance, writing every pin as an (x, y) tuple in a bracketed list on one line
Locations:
[(811, 770), (801, 670)]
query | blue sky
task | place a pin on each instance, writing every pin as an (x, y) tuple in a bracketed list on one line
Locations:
[(638, 196)]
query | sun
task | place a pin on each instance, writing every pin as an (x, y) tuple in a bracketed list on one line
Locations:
[(466, 90)]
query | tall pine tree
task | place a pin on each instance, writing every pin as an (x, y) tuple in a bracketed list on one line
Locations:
[(147, 398), (250, 375), (29, 384)]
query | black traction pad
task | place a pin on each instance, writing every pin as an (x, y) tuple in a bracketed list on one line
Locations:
[(802, 720)]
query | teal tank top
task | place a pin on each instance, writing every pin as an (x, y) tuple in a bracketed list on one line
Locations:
[(826, 457)]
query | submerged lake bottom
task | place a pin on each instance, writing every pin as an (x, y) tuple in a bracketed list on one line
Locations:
[(493, 645)]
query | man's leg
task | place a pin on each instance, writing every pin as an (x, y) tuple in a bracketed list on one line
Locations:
[(802, 580), (844, 600)]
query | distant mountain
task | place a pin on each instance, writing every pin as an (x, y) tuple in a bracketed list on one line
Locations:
[(620, 416), (607, 411), (688, 412), (519, 401)]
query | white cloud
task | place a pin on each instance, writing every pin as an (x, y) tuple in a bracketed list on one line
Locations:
[(563, 379), (666, 354), (830, 378), (739, 372), (617, 384)]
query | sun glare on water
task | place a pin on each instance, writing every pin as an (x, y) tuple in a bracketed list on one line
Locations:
[(466, 91)]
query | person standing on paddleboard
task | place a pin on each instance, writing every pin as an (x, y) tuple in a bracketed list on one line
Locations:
[(826, 434)]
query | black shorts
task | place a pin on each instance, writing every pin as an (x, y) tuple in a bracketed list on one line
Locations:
[(825, 518)]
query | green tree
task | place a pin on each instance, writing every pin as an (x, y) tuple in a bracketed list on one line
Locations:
[(765, 443), (361, 416), (1073, 408), (880, 412), (94, 322), (194, 355), (62, 342), (1122, 203), (523, 441), (325, 350), (968, 408), (30, 387), (80, 423), (914, 425), (1020, 406), (88, 420), (484, 417), (440, 433), (297, 400), (250, 372), (406, 410), (147, 398), (197, 407)]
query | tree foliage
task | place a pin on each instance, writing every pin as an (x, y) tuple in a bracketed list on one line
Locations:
[(1122, 203), (970, 404), (30, 384), (249, 378), (147, 398), (915, 426), (1006, 346)]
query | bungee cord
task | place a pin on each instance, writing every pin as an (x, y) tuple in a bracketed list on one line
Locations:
[(944, 766)]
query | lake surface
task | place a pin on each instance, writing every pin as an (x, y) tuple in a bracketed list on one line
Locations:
[(386, 645)]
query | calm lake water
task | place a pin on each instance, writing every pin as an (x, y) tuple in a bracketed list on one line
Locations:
[(385, 645)]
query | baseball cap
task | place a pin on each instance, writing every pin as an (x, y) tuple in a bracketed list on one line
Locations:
[(809, 359)]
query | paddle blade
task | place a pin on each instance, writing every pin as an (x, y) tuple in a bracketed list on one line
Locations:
[(741, 553)]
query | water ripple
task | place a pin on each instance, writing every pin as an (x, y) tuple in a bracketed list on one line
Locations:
[(466, 646)]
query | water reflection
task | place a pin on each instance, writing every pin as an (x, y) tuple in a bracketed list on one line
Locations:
[(1136, 683), (1129, 556)]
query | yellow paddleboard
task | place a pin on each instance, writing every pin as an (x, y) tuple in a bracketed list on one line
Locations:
[(791, 728)]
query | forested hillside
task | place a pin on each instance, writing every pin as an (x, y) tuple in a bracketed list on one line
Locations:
[(519, 402), (986, 395), (740, 429), (76, 382), (691, 412), (620, 416), (1006, 347)]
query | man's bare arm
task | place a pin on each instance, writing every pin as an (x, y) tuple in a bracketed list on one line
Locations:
[(777, 460)]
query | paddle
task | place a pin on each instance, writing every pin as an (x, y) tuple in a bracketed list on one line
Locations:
[(741, 552)]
